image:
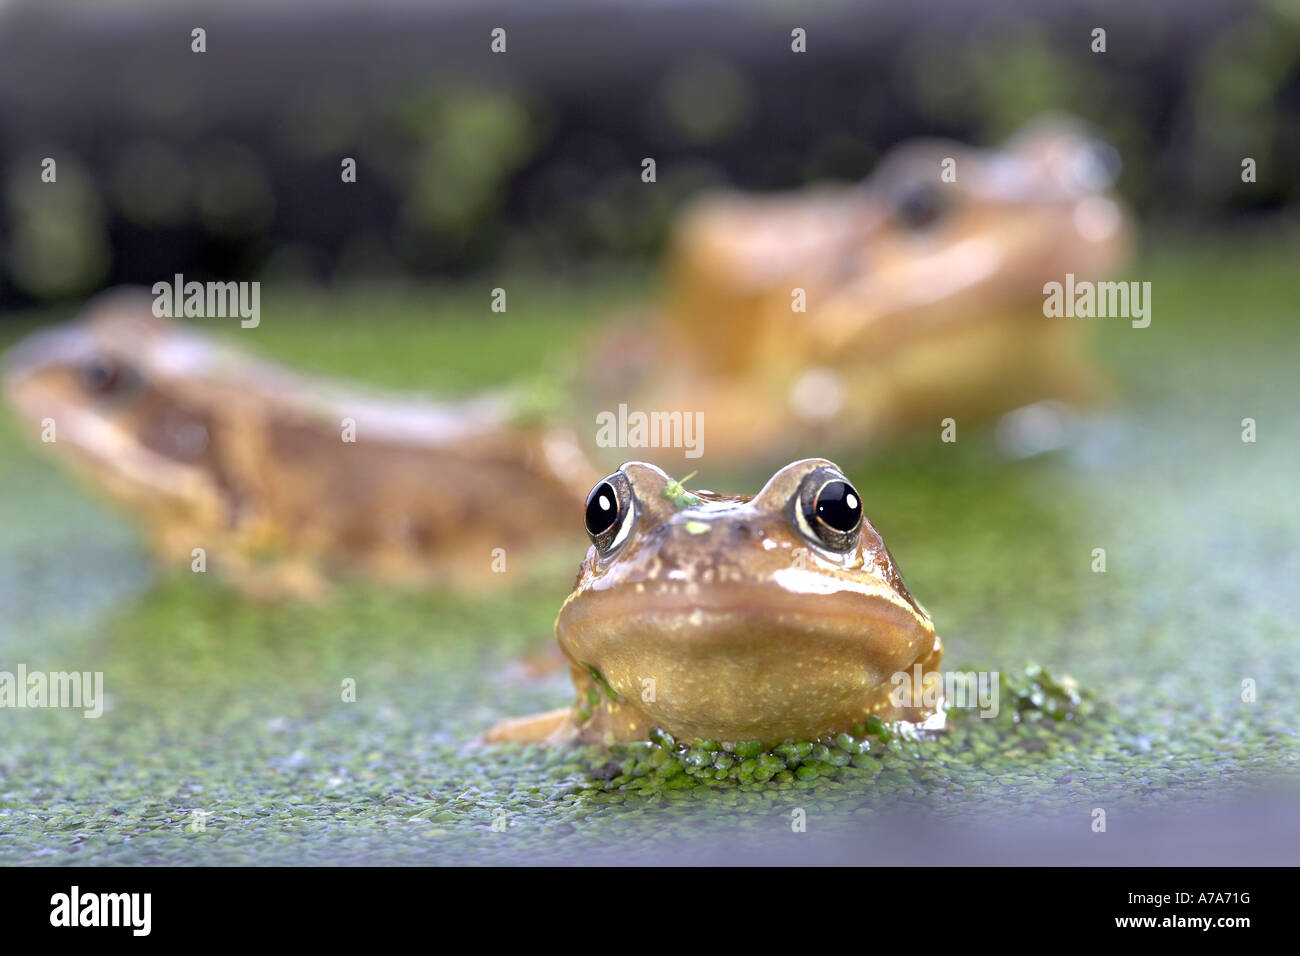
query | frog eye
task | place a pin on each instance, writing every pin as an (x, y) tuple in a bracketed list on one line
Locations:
[(829, 510), (106, 376), (919, 205), (610, 511)]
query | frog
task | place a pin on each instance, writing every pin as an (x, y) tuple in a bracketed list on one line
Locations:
[(845, 316), (282, 481), (774, 617)]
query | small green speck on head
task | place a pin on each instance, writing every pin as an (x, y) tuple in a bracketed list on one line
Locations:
[(697, 527), (675, 491)]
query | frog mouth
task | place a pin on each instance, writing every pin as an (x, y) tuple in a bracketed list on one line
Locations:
[(108, 452), (112, 455), (735, 621)]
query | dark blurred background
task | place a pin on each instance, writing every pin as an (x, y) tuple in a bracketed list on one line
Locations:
[(226, 164)]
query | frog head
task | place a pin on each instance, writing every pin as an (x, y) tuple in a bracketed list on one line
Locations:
[(738, 617)]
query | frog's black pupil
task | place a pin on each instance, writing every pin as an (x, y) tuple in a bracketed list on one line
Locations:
[(838, 506), (918, 205), (98, 376), (602, 509)]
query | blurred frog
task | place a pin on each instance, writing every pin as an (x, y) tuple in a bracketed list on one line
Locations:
[(835, 316), (282, 479)]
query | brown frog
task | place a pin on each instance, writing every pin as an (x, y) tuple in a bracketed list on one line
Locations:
[(837, 315), (219, 450), (767, 617)]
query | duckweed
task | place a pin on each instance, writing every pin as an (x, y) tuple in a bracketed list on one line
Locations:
[(1058, 710)]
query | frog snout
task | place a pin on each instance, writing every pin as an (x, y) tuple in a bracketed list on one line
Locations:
[(42, 350)]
